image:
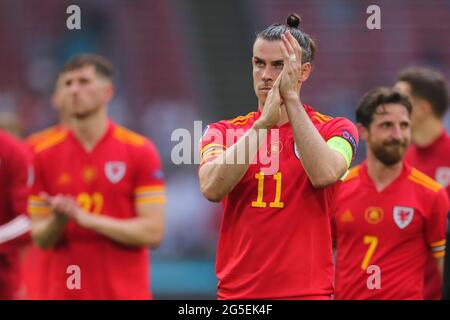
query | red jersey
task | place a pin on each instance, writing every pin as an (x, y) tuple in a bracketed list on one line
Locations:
[(275, 232), (14, 169), (36, 138), (434, 161), (394, 229), (123, 169), (35, 260)]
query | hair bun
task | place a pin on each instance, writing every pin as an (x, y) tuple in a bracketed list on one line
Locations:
[(293, 20)]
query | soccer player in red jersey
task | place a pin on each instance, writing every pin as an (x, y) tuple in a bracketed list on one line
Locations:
[(430, 151), (98, 198), (387, 215), (14, 188), (275, 238), (34, 261)]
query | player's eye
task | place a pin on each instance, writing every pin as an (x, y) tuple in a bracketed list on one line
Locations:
[(84, 81), (259, 63), (386, 125), (278, 65), (404, 125)]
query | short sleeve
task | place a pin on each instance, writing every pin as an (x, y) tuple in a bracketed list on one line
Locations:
[(36, 204), (435, 224), (212, 143), (149, 177)]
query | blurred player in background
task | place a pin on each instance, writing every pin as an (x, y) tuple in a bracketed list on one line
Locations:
[(35, 261), (98, 198), (430, 151), (388, 216), (11, 123), (275, 235), (64, 116), (14, 223)]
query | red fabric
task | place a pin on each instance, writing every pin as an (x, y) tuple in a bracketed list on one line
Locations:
[(14, 169), (108, 270), (270, 252), (433, 160), (401, 248)]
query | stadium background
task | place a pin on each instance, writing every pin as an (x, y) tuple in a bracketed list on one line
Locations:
[(180, 61)]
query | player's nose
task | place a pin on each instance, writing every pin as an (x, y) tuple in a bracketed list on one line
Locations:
[(267, 75), (397, 132)]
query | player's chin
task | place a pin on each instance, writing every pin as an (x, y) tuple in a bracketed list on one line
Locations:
[(391, 157), (262, 97)]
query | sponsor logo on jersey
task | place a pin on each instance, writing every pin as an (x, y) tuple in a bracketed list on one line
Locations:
[(403, 216), (64, 179), (374, 215), (115, 170), (89, 174), (347, 216)]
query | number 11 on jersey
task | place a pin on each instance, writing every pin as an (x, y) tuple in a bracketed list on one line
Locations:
[(259, 203)]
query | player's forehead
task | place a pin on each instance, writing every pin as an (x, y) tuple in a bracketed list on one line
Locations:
[(86, 71), (393, 112), (268, 51)]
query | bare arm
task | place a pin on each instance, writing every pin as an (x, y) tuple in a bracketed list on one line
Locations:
[(323, 165), (47, 230), (219, 177), (146, 229)]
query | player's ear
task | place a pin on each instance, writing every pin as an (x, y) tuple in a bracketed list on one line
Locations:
[(306, 71), (362, 131), (109, 91), (422, 108)]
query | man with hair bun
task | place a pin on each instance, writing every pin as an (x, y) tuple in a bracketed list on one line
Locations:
[(275, 240)]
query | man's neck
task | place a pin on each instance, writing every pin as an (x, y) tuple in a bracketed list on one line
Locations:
[(90, 130), (381, 174), (427, 132)]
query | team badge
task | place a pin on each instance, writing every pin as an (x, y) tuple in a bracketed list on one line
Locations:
[(275, 148), (374, 215), (403, 216), (115, 170), (443, 176), (297, 154)]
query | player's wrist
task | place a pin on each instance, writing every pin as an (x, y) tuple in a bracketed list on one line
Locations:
[(291, 97), (261, 124)]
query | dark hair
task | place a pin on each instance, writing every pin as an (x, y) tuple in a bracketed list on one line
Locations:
[(374, 99), (427, 84), (274, 32), (102, 66)]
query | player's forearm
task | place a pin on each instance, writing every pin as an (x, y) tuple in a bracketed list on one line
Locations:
[(130, 232), (220, 176), (321, 163), (46, 232)]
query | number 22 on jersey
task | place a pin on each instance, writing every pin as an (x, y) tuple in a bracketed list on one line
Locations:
[(276, 203)]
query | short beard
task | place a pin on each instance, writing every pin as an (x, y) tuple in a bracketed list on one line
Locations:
[(86, 114), (390, 156)]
